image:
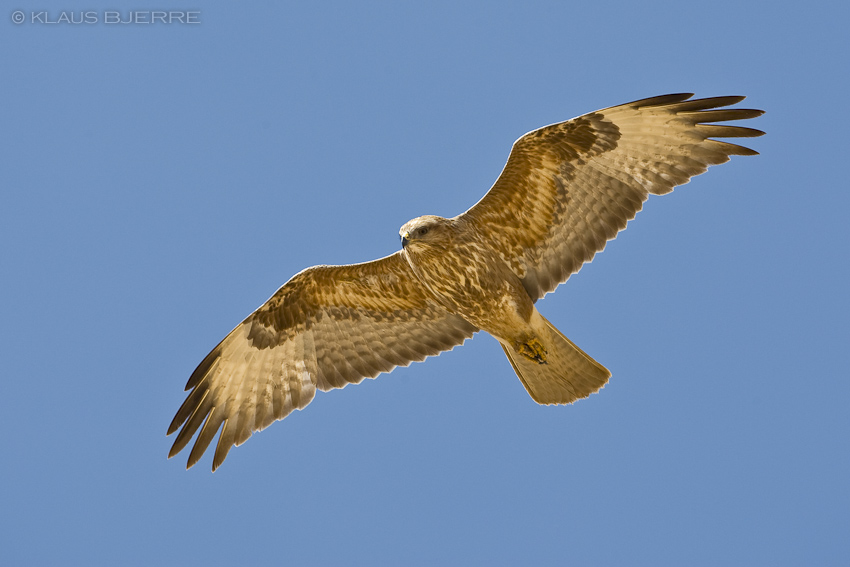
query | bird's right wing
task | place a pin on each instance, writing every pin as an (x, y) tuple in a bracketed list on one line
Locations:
[(325, 328)]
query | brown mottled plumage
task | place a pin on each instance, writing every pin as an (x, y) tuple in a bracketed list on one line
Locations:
[(565, 191)]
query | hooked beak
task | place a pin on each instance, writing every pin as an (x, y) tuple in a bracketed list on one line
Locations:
[(405, 238)]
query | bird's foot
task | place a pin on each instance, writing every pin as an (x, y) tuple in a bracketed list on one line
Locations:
[(533, 350)]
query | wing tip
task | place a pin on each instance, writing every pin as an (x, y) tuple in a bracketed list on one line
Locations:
[(745, 151), (682, 102), (173, 451), (731, 149), (172, 427), (661, 100), (203, 368)]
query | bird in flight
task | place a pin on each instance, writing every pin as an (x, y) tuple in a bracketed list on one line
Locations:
[(565, 191)]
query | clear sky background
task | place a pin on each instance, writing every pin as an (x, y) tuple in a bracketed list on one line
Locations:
[(159, 182)]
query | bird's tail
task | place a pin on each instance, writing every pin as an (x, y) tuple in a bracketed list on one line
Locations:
[(567, 375)]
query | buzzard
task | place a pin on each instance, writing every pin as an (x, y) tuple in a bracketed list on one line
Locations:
[(565, 191)]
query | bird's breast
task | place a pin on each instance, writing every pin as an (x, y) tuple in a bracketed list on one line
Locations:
[(473, 282)]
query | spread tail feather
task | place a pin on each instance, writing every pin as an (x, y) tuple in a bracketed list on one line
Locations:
[(568, 374)]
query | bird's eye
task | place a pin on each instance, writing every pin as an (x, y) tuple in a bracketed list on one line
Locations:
[(423, 231)]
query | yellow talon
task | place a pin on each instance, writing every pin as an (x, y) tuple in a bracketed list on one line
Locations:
[(533, 350)]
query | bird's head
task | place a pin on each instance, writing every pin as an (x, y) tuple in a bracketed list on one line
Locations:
[(428, 230)]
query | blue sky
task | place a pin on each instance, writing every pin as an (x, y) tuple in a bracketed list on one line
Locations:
[(159, 182)]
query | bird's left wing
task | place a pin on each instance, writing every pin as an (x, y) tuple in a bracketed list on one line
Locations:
[(568, 188), (325, 328)]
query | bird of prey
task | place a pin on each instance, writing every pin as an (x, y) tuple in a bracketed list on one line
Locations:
[(565, 191)]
